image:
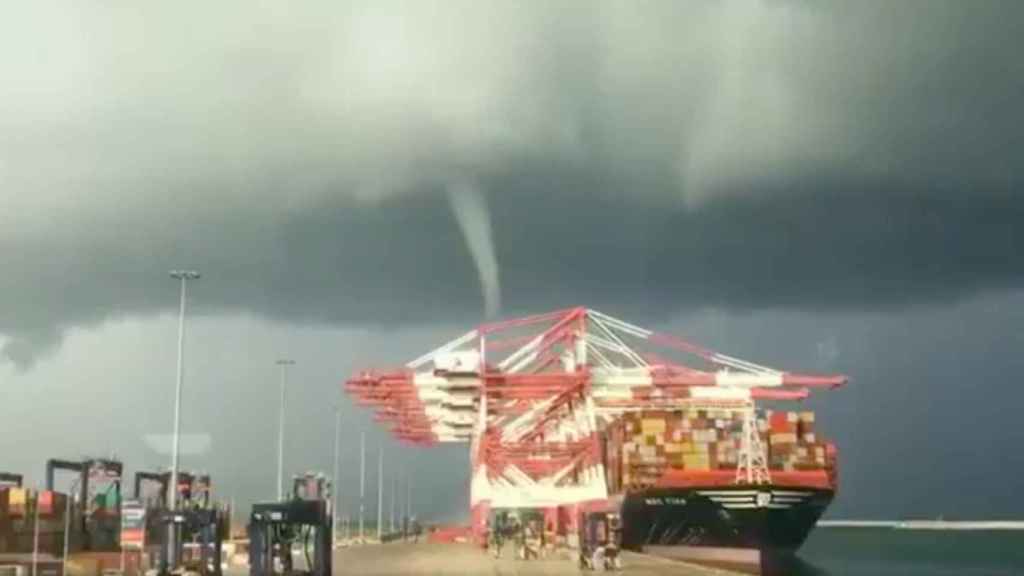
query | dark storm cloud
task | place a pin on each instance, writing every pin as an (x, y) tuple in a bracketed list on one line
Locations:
[(641, 156)]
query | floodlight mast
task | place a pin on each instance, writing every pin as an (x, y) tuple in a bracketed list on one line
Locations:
[(183, 276), (284, 363)]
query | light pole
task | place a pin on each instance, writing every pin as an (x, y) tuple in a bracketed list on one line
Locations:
[(394, 483), (67, 525), (337, 484), (380, 491), (284, 364), (35, 537), (183, 276), (362, 480)]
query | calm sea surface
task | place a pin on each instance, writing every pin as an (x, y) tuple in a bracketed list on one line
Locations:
[(890, 552)]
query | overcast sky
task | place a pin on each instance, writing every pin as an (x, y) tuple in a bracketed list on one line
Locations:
[(811, 185)]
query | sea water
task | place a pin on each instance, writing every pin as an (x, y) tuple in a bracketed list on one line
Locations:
[(900, 552)]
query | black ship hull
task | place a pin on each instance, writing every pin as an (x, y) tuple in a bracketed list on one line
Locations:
[(772, 519)]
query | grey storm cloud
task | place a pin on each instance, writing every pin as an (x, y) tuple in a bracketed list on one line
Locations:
[(740, 154)]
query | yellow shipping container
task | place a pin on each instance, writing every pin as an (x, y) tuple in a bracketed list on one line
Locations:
[(17, 501), (696, 461), (673, 448), (783, 438), (17, 496), (653, 425)]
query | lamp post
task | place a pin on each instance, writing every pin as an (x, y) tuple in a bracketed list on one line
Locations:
[(337, 484), (183, 276), (67, 525), (362, 481), (408, 499), (284, 364), (35, 536), (380, 492)]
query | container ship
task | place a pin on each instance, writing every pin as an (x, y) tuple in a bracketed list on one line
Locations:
[(674, 480), (575, 413)]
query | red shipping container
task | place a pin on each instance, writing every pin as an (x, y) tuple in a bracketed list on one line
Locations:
[(780, 424), (45, 501)]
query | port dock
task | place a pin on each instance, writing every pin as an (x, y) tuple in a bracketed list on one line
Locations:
[(427, 558)]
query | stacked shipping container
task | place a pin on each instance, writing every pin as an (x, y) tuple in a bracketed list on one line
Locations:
[(792, 443), (18, 517), (641, 446)]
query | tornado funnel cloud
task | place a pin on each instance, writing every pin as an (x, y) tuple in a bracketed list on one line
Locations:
[(470, 209)]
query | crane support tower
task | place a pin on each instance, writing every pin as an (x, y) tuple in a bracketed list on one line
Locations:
[(532, 395)]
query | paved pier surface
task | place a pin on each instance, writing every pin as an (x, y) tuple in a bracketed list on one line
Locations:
[(426, 559)]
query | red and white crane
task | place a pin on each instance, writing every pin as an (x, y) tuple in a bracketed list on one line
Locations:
[(531, 396)]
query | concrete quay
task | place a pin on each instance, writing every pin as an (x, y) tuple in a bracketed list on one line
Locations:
[(431, 559)]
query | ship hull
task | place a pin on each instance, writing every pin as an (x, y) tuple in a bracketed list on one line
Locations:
[(773, 519)]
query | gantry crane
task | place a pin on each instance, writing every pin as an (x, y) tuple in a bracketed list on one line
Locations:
[(531, 395)]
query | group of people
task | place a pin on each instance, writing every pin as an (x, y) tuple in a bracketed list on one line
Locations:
[(527, 538), (598, 539)]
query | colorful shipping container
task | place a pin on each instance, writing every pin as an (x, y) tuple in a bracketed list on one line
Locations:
[(642, 446)]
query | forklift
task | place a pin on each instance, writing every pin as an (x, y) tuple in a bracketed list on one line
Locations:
[(276, 527), (193, 521), (202, 526)]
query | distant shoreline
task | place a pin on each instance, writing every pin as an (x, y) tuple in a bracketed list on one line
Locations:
[(925, 524)]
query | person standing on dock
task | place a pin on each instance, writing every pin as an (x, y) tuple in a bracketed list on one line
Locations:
[(548, 543), (496, 538)]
